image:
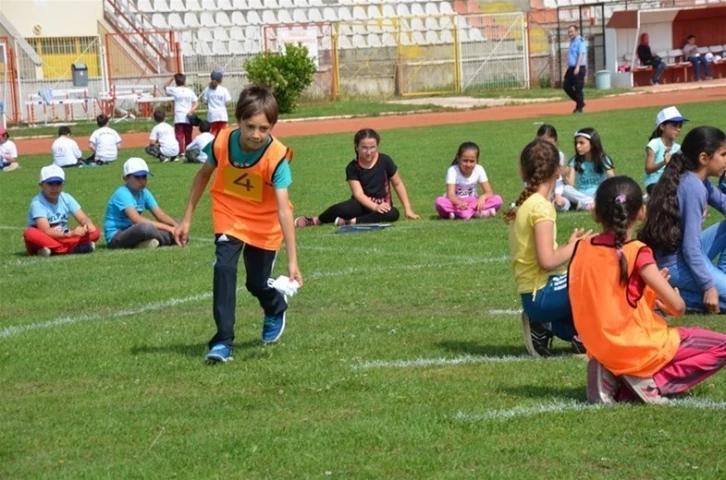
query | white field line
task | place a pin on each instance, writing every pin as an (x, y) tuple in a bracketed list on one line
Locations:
[(10, 227), (12, 331), (444, 362), (573, 406), (505, 312)]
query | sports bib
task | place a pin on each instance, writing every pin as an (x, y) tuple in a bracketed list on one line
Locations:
[(243, 184)]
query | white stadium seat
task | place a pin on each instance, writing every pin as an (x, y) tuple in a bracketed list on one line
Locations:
[(373, 40), (269, 4), (389, 11), (219, 48), (222, 19), (432, 37), (315, 16), (445, 22), (255, 4), (253, 18), (417, 10), (447, 36), (329, 15), (445, 8), (316, 3), (158, 21), (187, 49), (144, 6), (193, 5), (359, 41), (237, 34), (286, 4), (298, 16), (205, 35), (431, 23), (240, 5), (402, 10), (208, 5), (301, 3), (344, 43), (388, 40), (161, 6), (417, 24), (191, 20), (238, 19), (374, 11), (359, 14), (418, 38), (344, 14), (236, 48), (220, 33), (175, 21), (268, 17), (225, 5), (283, 16), (206, 19), (432, 9)]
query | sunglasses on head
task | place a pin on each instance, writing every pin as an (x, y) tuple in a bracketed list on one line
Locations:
[(54, 184)]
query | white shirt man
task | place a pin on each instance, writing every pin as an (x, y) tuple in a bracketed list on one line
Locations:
[(105, 141), (163, 134), (66, 152)]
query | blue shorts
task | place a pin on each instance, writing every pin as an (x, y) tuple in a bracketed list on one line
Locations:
[(551, 304)]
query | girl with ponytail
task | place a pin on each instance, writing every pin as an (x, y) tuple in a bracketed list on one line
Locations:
[(676, 211), (538, 263), (615, 288)]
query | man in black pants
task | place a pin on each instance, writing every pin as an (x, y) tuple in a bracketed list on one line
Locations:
[(576, 68)]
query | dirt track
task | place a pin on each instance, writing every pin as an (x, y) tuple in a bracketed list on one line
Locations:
[(350, 125)]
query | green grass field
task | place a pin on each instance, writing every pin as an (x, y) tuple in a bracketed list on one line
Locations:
[(402, 358)]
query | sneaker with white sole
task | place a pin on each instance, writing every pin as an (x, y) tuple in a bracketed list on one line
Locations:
[(645, 388), (537, 338), (273, 327), (151, 243), (578, 348), (302, 222), (44, 252), (219, 354), (602, 385), (341, 222)]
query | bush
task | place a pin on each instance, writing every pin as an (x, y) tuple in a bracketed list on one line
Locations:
[(286, 74)]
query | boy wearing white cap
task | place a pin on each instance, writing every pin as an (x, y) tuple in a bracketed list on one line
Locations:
[(124, 226), (662, 145), (48, 233), (217, 98)]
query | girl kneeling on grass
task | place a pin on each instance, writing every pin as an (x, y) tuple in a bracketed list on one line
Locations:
[(676, 212), (461, 199), (538, 263), (615, 288), (588, 169), (370, 176)]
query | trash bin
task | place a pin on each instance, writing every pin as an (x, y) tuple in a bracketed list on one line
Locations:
[(602, 80), (79, 72)]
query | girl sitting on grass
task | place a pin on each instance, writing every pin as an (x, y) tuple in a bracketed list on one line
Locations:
[(588, 169)]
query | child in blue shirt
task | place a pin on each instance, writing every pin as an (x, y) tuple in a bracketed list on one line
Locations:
[(676, 212), (588, 169), (48, 233), (662, 145), (124, 225)]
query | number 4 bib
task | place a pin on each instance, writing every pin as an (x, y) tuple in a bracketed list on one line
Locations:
[(242, 184)]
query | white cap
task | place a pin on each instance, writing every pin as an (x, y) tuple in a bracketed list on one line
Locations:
[(670, 114), (52, 173), (136, 166)]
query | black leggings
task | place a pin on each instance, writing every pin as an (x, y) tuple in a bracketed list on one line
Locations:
[(352, 208)]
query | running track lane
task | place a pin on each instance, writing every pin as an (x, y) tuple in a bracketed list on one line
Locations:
[(284, 129)]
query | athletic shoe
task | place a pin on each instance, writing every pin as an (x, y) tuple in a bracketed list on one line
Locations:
[(151, 243), (602, 386), (452, 216), (645, 388), (489, 212), (44, 252), (85, 248), (340, 222), (577, 347), (163, 159), (176, 159), (219, 353), (273, 327), (302, 222), (537, 339)]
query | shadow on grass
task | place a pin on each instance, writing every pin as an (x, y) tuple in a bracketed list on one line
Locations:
[(546, 392), (197, 350)]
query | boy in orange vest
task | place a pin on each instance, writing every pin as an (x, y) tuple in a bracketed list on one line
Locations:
[(251, 213)]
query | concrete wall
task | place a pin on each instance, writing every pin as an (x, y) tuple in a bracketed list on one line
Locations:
[(54, 18)]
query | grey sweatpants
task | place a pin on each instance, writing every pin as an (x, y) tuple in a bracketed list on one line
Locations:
[(138, 233)]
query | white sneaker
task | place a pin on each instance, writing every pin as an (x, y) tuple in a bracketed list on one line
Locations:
[(152, 243), (44, 252)]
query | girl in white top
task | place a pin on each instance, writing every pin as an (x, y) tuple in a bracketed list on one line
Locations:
[(104, 142), (549, 133), (8, 152), (463, 178), (216, 97)]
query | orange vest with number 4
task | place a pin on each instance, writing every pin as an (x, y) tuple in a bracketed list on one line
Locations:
[(243, 198)]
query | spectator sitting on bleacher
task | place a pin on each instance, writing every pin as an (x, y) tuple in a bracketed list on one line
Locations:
[(195, 149), (66, 153), (104, 142), (690, 52), (8, 152), (163, 144), (647, 59), (185, 104)]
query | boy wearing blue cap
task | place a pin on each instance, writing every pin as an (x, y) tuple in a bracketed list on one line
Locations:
[(124, 225), (48, 233)]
